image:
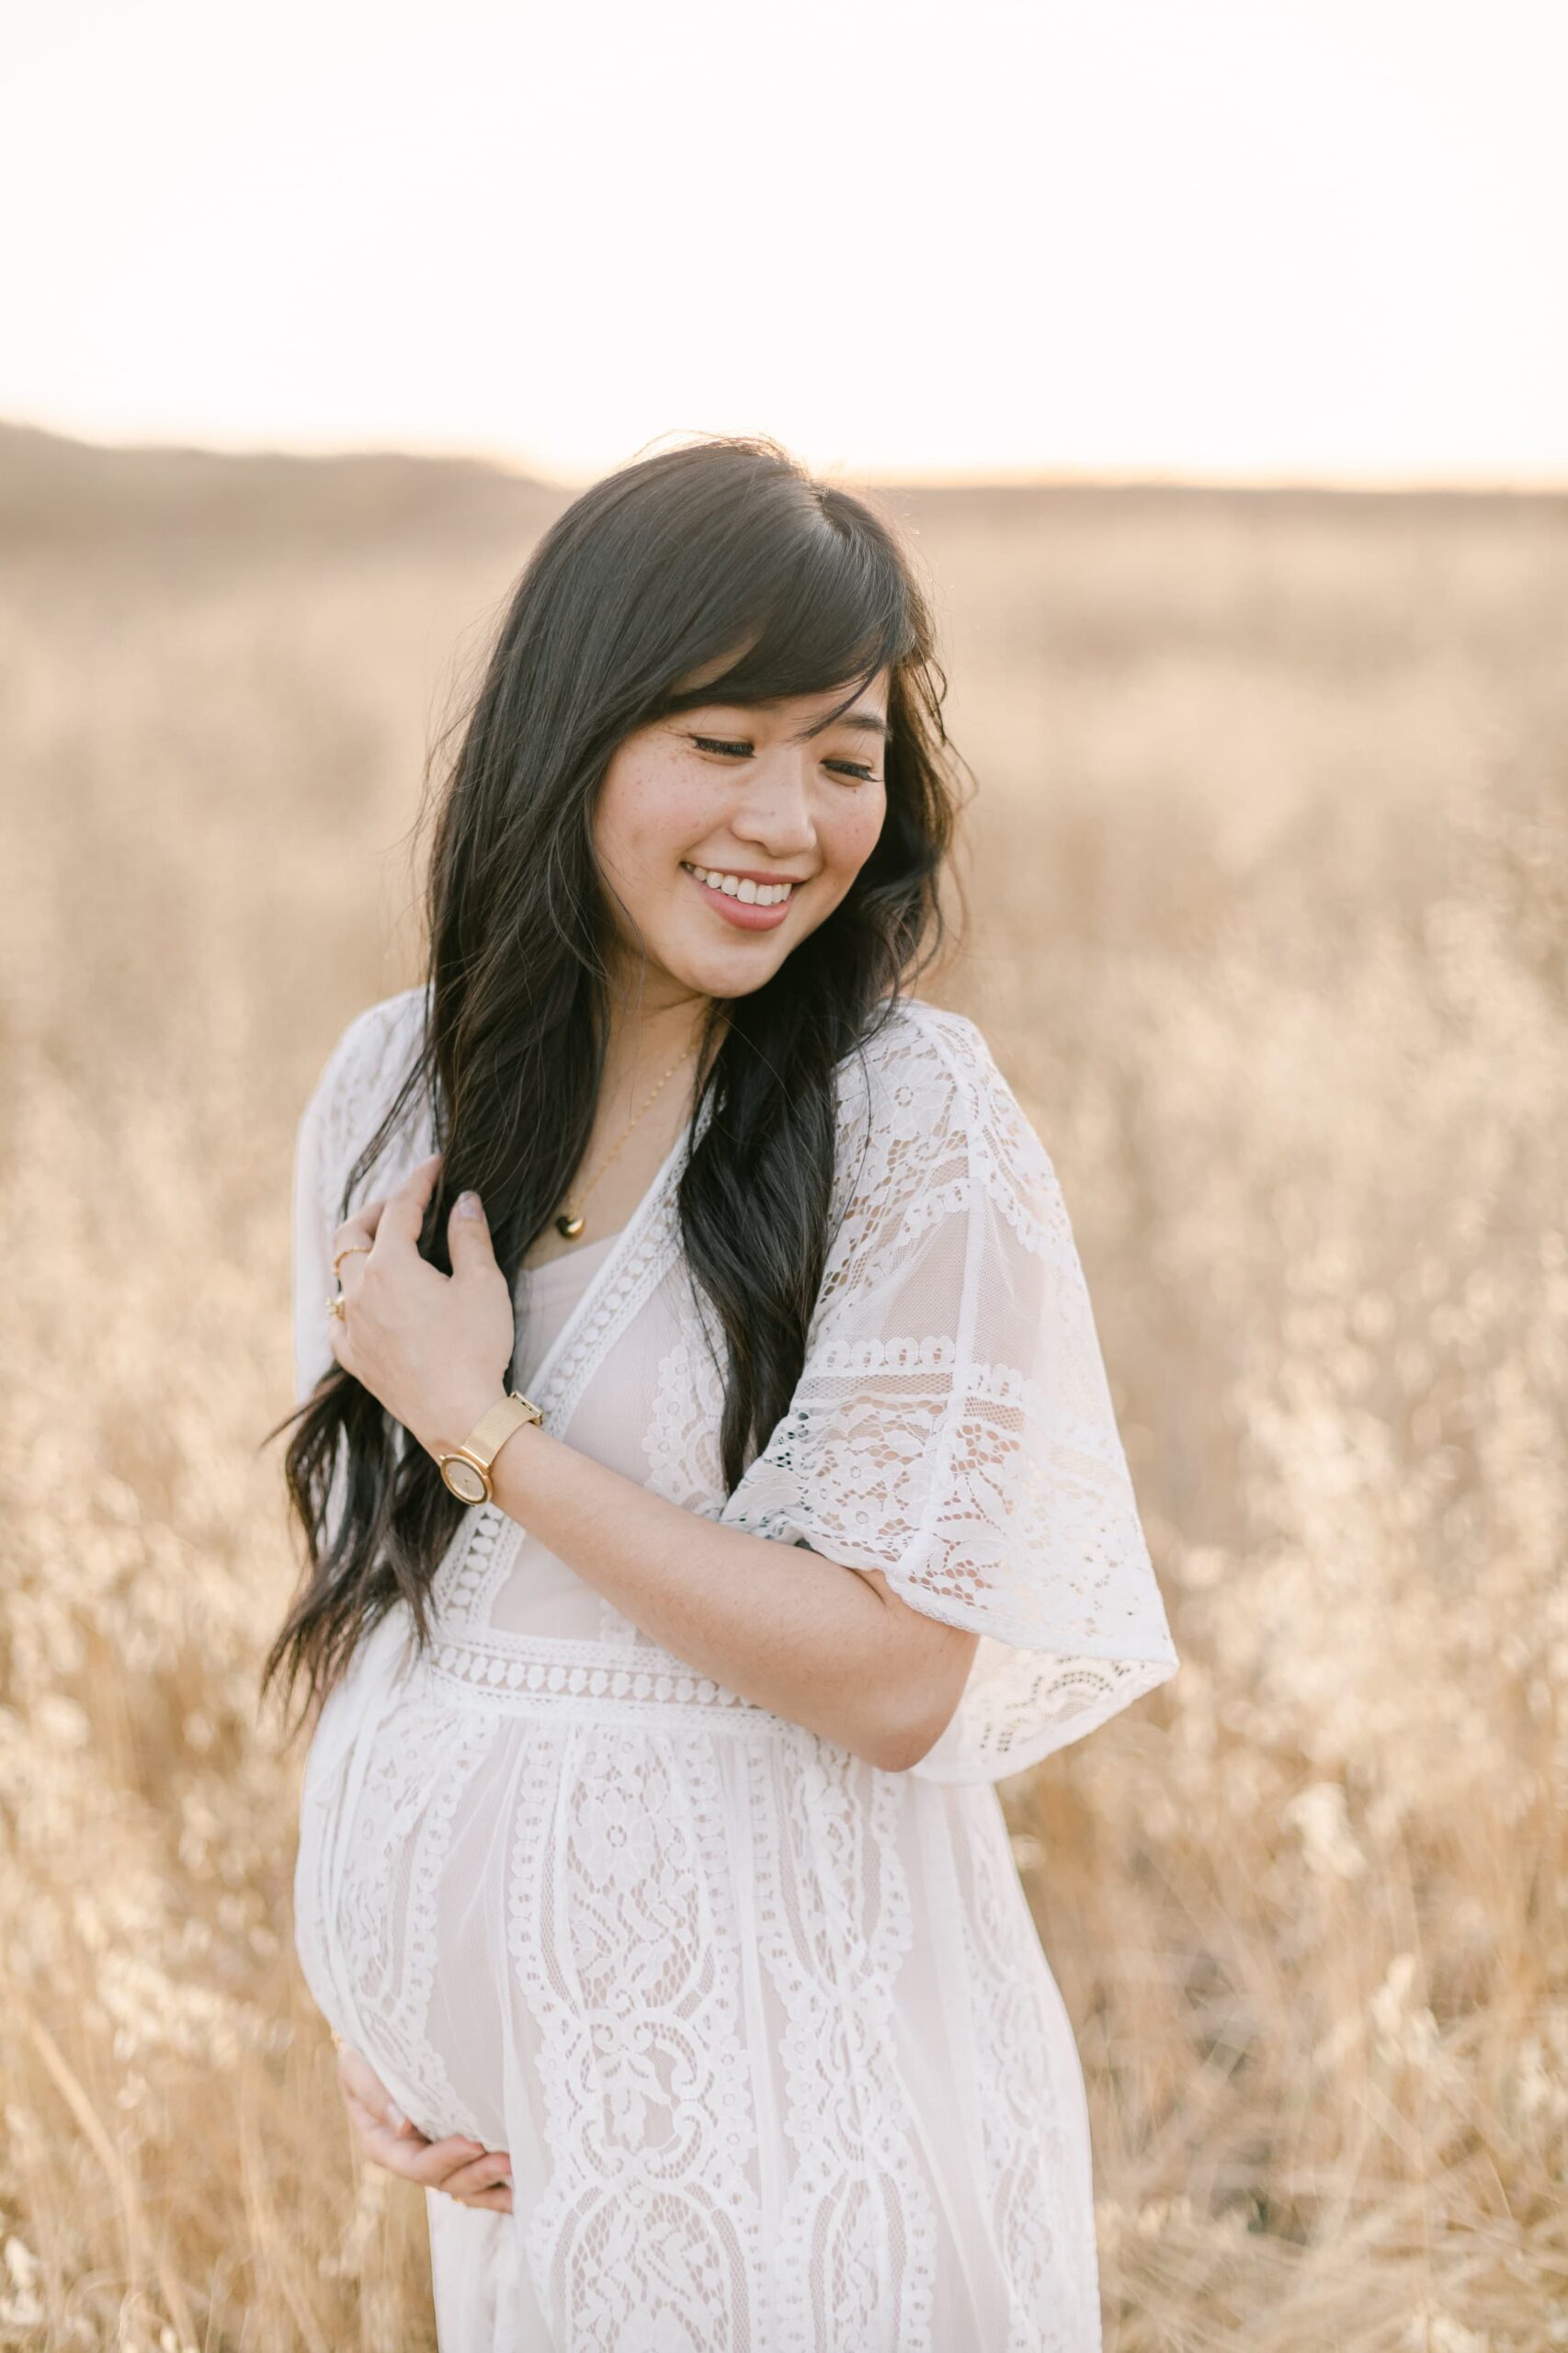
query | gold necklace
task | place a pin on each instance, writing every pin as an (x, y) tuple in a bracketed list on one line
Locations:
[(570, 1222)]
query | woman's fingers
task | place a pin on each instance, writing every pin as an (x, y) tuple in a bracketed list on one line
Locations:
[(463, 2168), (357, 1238), (457, 2165), (475, 2176), (359, 2075), (460, 2167), (360, 1227), (357, 2079), (363, 1228), (495, 2201), (411, 2154), (402, 1214), (366, 2121)]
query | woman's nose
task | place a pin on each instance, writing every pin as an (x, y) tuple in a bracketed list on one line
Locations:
[(775, 809)]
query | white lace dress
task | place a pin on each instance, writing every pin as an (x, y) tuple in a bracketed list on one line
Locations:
[(768, 2031)]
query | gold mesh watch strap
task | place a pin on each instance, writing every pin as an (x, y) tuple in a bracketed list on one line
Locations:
[(484, 1441)]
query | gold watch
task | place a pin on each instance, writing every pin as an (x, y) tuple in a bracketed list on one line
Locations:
[(467, 1469)]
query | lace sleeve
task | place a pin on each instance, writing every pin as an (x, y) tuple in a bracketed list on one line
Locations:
[(953, 1424), (361, 1074)]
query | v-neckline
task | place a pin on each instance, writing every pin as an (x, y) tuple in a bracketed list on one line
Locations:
[(621, 1244), (587, 1254)]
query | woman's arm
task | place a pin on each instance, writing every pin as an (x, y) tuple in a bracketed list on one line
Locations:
[(829, 1647)]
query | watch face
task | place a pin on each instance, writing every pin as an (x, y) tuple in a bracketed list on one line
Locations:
[(463, 1479)]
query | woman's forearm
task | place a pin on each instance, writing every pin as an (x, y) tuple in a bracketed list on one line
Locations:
[(798, 1633)]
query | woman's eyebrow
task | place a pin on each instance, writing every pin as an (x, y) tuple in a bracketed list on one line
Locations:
[(866, 722)]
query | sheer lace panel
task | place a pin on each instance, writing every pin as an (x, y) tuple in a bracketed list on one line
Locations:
[(953, 1424)]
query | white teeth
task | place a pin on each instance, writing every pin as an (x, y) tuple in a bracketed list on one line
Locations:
[(760, 894)]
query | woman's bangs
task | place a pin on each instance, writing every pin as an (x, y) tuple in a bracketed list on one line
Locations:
[(834, 616)]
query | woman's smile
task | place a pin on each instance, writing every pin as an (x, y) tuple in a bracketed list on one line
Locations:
[(741, 900)]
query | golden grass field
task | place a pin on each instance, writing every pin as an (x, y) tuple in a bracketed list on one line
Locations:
[(1270, 927)]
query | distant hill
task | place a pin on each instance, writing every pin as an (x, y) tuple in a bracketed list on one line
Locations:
[(55, 489), (55, 492)]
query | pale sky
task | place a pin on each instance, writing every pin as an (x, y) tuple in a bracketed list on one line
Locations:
[(1325, 239)]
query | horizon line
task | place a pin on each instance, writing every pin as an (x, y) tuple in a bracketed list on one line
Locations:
[(1151, 475)]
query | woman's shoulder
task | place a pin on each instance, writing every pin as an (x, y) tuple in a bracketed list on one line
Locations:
[(391, 1027), (364, 1070), (935, 1123), (924, 1054)]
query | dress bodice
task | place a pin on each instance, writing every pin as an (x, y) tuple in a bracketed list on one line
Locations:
[(541, 1594), (952, 1425), (551, 1291)]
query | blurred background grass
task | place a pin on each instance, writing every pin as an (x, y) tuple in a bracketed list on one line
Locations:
[(1268, 886)]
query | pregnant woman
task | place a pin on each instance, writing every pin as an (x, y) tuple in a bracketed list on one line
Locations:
[(711, 1488)]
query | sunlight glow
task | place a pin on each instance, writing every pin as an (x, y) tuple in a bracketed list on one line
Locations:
[(1312, 238)]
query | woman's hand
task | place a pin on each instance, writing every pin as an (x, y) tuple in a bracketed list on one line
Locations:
[(464, 2169), (432, 1347)]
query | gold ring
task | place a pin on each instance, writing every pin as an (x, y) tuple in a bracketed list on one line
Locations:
[(335, 1307), (348, 1252)]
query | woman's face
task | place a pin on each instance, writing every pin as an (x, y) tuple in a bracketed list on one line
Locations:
[(744, 795)]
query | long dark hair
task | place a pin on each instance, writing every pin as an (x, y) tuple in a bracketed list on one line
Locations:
[(665, 565)]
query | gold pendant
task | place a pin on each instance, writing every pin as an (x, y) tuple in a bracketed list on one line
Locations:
[(570, 1226)]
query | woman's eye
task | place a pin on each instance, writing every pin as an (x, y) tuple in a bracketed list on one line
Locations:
[(861, 775)]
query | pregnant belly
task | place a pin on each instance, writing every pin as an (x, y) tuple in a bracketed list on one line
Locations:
[(517, 1877), (388, 1895), (717, 1985), (501, 1892)]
